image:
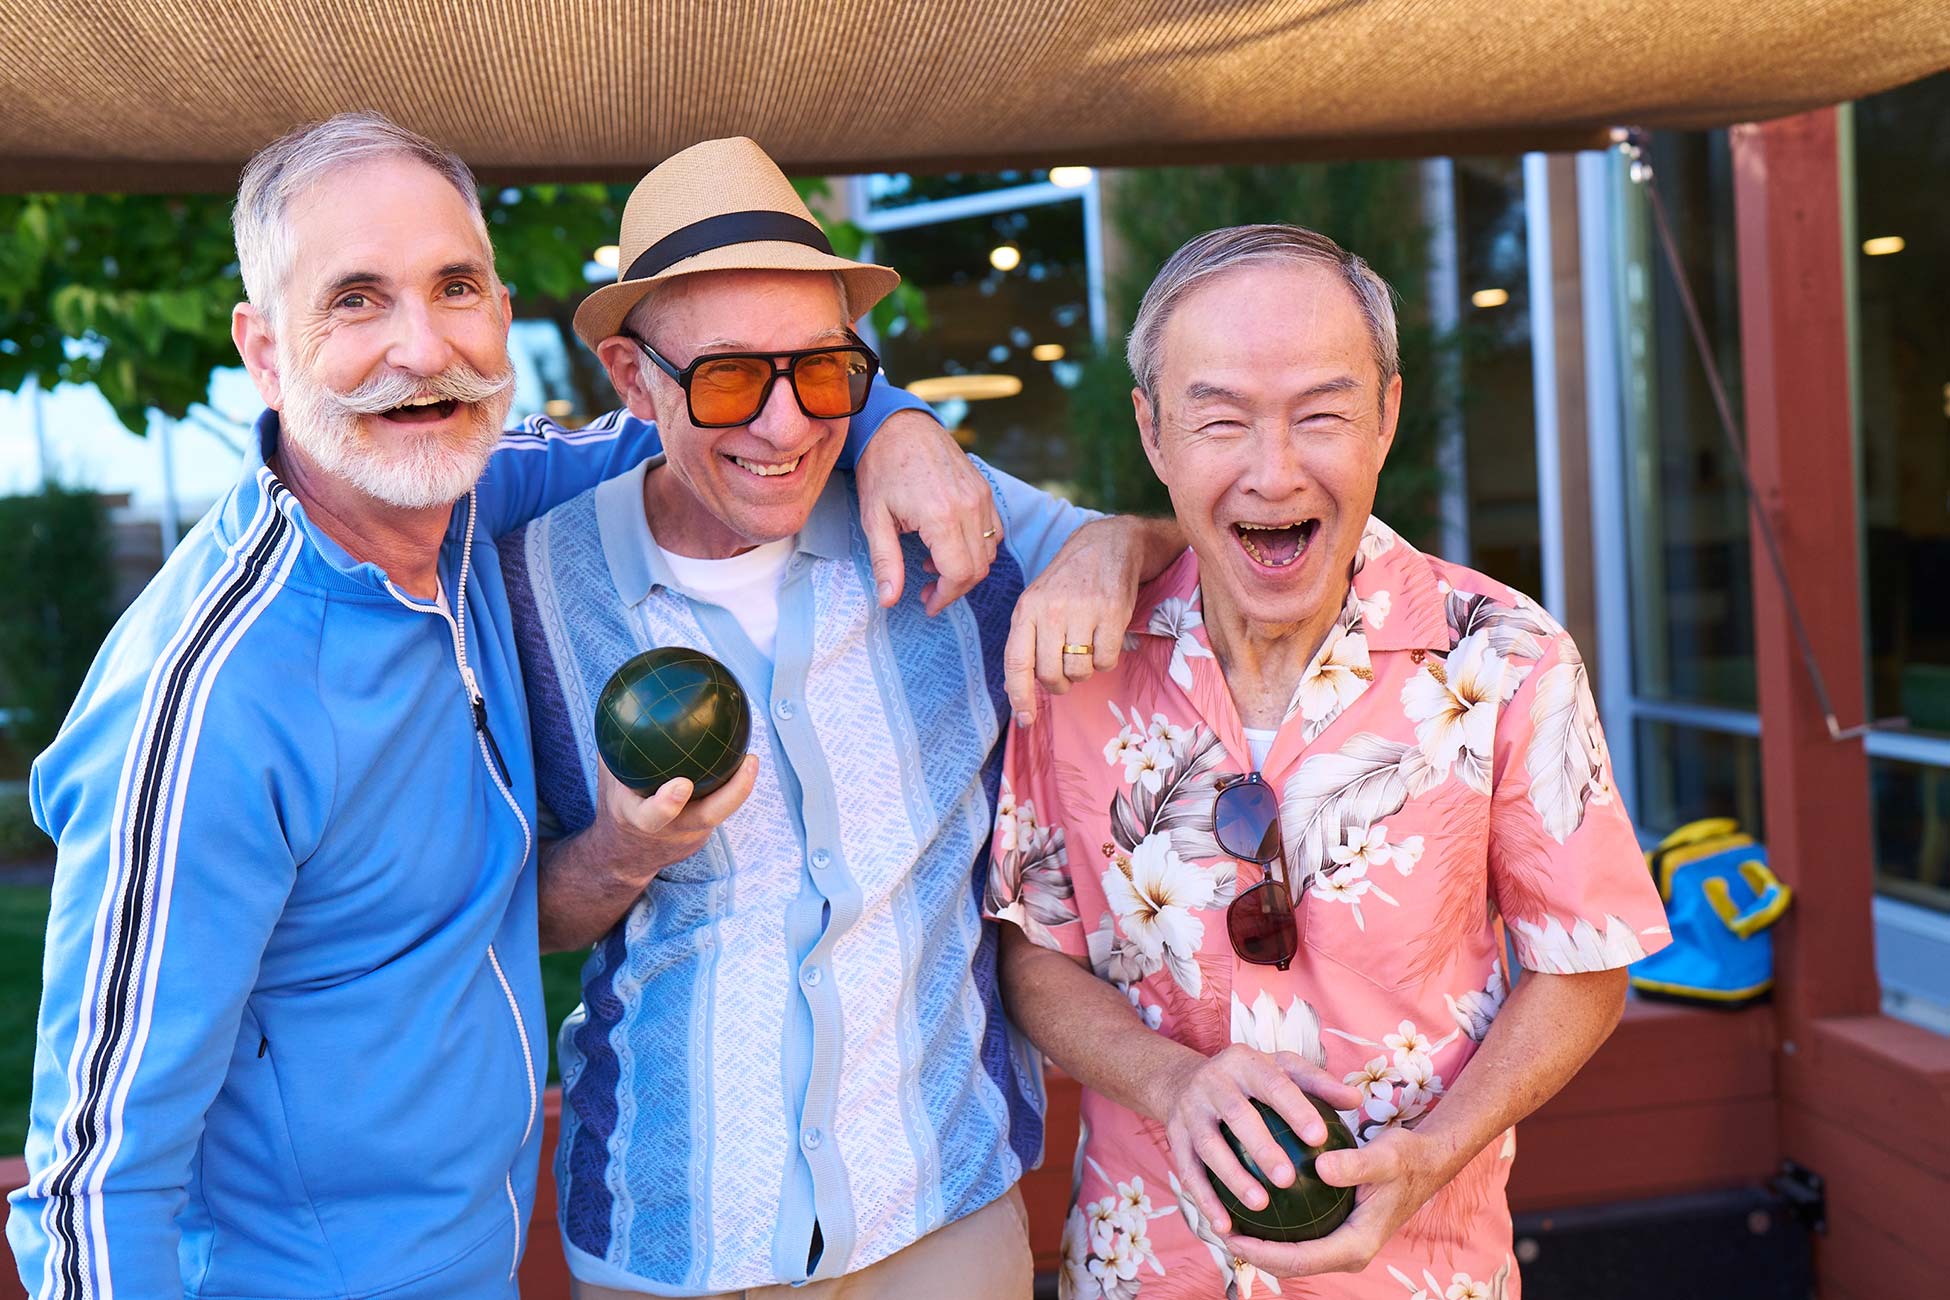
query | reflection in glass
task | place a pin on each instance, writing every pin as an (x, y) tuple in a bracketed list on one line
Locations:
[(1686, 513), (1902, 332), (891, 190), (982, 321), (1686, 773), (1912, 831), (1499, 400)]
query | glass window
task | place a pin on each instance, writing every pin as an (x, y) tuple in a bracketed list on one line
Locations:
[(1686, 773), (1901, 269), (1912, 831), (891, 190), (1686, 512), (1022, 324), (1498, 400), (1902, 394)]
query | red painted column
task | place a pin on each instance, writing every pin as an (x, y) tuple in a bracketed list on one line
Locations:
[(1800, 451)]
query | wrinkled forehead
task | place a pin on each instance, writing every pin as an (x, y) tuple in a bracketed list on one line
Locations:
[(755, 310), (389, 218), (1260, 327)]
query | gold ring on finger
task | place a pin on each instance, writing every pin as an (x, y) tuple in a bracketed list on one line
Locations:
[(1074, 649), (990, 532)]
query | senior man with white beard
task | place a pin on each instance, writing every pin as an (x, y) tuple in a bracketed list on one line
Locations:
[(291, 1041)]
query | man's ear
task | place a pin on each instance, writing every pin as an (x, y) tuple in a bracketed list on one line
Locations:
[(1148, 432), (624, 362), (250, 330), (1391, 416)]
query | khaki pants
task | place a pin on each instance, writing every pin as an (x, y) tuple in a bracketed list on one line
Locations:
[(981, 1256)]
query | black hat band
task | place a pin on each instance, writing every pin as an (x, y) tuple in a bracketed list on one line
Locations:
[(722, 230)]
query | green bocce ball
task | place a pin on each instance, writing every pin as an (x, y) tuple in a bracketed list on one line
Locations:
[(1308, 1209), (673, 712)]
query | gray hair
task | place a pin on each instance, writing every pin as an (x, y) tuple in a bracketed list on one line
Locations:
[(292, 164), (1222, 250)]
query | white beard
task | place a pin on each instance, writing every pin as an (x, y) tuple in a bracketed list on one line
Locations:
[(405, 471)]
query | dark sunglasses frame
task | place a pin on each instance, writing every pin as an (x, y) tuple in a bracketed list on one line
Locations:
[(783, 363), (1260, 923)]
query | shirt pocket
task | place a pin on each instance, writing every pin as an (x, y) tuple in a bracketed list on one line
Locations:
[(1394, 928)]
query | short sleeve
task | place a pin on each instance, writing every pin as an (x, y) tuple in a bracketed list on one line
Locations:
[(1029, 881), (1565, 868)]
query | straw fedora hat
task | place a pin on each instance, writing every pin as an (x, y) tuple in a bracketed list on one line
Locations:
[(723, 205)]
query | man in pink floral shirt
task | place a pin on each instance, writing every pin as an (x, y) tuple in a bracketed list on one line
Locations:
[(1429, 755)]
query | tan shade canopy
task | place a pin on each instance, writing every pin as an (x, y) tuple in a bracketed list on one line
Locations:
[(175, 94)]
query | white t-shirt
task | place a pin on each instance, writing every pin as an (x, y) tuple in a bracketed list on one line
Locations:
[(1259, 742), (747, 585)]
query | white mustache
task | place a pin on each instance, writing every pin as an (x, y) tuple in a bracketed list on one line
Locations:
[(457, 383)]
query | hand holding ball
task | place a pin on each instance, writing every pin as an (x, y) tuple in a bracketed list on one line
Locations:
[(1308, 1209), (673, 712)]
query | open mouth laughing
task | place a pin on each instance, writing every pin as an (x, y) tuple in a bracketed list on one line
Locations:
[(421, 410), (1276, 545)]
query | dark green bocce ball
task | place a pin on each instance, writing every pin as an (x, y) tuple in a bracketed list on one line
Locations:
[(1309, 1208), (672, 712)]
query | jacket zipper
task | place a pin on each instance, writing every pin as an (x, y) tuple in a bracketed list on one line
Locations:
[(498, 769)]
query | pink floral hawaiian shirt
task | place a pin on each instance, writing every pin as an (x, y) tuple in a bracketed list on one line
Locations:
[(1443, 782)]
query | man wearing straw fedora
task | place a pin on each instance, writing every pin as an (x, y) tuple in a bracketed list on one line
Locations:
[(791, 1073), (291, 1039)]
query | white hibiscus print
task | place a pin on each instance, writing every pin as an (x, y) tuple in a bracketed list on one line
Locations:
[(1155, 896), (1164, 730), (1407, 1041), (1381, 1114), (1176, 617), (1150, 1015), (1265, 1027), (1555, 951), (1369, 847), (1340, 671), (1118, 959), (1377, 1078), (1431, 1291), (1075, 1281), (1463, 1287), (1350, 884), (1474, 1010), (1107, 1242), (1407, 852), (1005, 819), (1148, 764), (1420, 1083), (1375, 608), (1454, 704), (1240, 1276)]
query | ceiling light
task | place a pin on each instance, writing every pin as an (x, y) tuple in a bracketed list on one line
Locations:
[(558, 406), (1005, 257), (1047, 352), (969, 388), (1883, 245), (1070, 178), (609, 255), (1490, 297)]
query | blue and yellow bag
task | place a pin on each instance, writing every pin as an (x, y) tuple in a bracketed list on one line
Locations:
[(1720, 900)]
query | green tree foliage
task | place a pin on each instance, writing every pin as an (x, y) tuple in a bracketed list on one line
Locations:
[(56, 571), (133, 293), (1369, 207)]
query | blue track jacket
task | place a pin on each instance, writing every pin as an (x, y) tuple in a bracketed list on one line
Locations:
[(291, 1038)]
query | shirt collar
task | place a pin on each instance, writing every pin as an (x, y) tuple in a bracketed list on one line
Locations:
[(1403, 606), (637, 565)]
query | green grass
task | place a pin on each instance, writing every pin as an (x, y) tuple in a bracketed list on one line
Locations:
[(23, 928)]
